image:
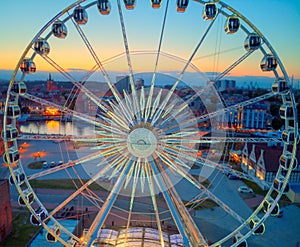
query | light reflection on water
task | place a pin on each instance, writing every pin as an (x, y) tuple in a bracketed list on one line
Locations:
[(52, 127)]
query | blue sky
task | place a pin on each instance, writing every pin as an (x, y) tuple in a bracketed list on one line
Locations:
[(277, 20)]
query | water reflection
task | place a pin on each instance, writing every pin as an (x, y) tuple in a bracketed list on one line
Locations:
[(52, 127)]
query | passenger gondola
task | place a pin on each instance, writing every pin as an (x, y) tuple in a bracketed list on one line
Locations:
[(80, 15), (232, 24), (280, 86), (29, 197), (13, 111), (260, 229), (10, 134), (267, 204), (27, 66), (59, 29), (52, 236), (285, 161), (41, 46), (20, 177), (156, 4), (210, 11), (104, 7), (41, 215), (286, 112), (19, 88), (236, 238), (130, 4), (182, 5), (252, 42), (268, 63)]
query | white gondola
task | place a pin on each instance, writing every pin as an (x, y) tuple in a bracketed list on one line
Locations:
[(10, 134), (210, 11), (182, 5), (41, 46), (19, 88), (268, 63), (53, 235), (13, 111), (41, 215), (104, 7), (286, 112), (288, 136), (29, 197), (13, 155), (232, 24), (80, 15), (285, 161), (129, 4), (280, 86), (20, 177), (252, 42), (59, 29), (27, 66), (156, 4), (278, 184), (236, 238), (260, 229), (267, 206)]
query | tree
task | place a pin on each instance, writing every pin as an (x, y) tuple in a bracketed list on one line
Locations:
[(25, 110), (277, 123), (274, 109)]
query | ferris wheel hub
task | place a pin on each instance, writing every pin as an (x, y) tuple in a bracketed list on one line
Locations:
[(141, 142)]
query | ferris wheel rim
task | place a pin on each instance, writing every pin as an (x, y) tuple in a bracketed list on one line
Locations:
[(222, 4)]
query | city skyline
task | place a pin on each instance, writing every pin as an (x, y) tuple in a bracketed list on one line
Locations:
[(13, 45)]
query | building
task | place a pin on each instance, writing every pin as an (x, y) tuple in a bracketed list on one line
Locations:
[(261, 160), (6, 224), (223, 85), (248, 117), (51, 85)]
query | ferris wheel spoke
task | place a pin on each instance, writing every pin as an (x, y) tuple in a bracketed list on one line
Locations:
[(132, 196), (229, 170), (168, 96), (178, 168), (136, 107), (102, 69), (77, 84), (231, 108), (108, 204), (154, 203), (189, 231), (231, 67), (65, 110), (150, 95), (86, 158), (84, 187)]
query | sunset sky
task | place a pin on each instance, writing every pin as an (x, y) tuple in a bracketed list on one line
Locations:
[(277, 20)]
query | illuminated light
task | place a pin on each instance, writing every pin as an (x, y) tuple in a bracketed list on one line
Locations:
[(51, 111)]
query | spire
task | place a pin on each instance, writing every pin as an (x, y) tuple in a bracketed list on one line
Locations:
[(49, 77)]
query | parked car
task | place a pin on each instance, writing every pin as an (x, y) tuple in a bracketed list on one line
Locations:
[(233, 177), (60, 163), (52, 164), (45, 165), (245, 189)]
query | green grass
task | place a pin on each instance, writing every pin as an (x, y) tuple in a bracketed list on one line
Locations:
[(208, 203), (36, 165), (22, 233), (64, 184)]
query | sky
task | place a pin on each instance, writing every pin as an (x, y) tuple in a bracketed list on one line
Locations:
[(278, 20)]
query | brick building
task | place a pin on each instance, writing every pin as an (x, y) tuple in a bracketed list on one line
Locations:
[(6, 225)]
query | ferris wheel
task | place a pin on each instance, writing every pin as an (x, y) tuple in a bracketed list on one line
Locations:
[(152, 150)]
